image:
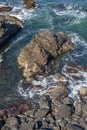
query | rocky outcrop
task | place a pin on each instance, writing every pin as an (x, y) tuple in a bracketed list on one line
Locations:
[(40, 51), (8, 27), (29, 4), (5, 8)]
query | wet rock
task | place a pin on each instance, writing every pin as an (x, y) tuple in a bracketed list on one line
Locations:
[(60, 77), (8, 27), (39, 52), (26, 85), (59, 92), (29, 4), (5, 8)]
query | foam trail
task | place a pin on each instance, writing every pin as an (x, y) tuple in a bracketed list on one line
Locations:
[(45, 82), (75, 84), (72, 11)]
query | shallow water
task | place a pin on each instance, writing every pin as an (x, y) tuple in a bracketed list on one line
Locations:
[(69, 17)]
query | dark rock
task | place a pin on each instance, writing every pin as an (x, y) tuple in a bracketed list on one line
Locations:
[(29, 4), (8, 27), (5, 8), (2, 123), (38, 53), (42, 125)]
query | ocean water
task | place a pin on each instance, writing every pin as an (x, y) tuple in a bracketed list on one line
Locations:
[(68, 16)]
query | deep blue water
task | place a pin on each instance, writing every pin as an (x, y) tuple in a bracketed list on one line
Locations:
[(68, 16)]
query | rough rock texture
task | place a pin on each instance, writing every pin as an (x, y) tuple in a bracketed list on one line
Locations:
[(29, 4), (5, 8), (53, 113), (8, 26), (38, 53)]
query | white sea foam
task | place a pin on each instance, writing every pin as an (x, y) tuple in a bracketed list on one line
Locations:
[(45, 82), (72, 11), (75, 84), (81, 45), (50, 81), (22, 14)]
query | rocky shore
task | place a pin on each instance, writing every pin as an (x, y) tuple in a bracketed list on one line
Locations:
[(54, 110)]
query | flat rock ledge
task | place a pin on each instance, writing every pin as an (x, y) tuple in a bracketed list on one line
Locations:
[(41, 50), (9, 26)]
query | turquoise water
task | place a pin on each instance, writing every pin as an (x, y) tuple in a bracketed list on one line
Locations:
[(68, 16)]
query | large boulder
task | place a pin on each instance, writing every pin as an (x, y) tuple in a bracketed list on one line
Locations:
[(8, 26), (29, 4), (39, 52), (5, 8)]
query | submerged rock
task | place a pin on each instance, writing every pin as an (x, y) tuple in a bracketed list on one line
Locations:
[(29, 4), (5, 8), (40, 51), (8, 27)]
